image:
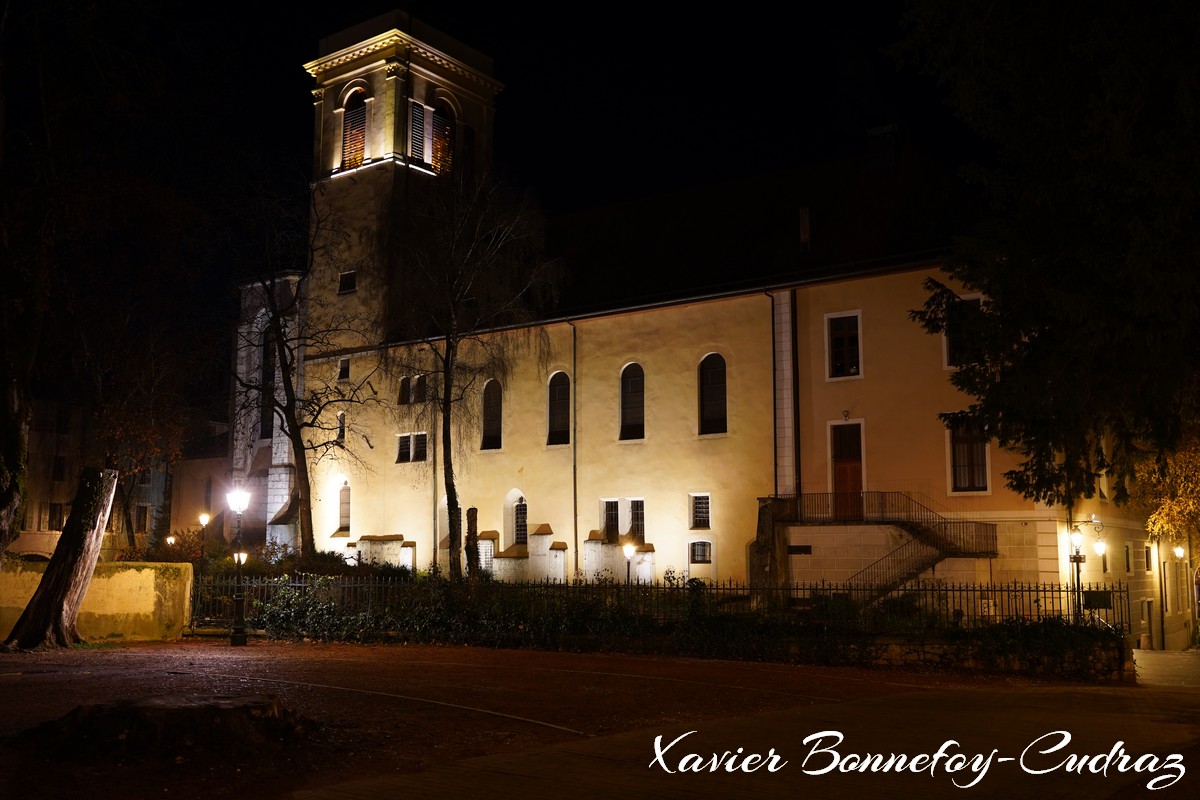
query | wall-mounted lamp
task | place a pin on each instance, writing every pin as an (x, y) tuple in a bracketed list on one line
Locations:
[(845, 416)]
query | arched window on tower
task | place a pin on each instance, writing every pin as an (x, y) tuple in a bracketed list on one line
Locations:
[(712, 395), (442, 155), (354, 129)]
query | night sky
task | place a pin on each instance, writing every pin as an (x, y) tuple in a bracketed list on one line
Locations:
[(611, 101)]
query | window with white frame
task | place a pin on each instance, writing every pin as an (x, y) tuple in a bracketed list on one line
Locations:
[(700, 553), (844, 345), (611, 520), (411, 447), (637, 520), (701, 511), (968, 456)]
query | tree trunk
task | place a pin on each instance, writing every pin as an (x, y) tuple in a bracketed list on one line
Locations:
[(49, 618), (472, 544), (303, 486), (453, 509)]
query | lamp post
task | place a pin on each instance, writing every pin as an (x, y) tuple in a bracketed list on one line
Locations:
[(1077, 558), (629, 551), (238, 500)]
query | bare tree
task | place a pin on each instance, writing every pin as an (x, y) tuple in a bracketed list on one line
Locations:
[(469, 281)]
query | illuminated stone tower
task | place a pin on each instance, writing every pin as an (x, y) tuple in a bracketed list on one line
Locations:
[(396, 103)]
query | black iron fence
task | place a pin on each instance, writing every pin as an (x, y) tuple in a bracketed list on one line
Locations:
[(918, 605)]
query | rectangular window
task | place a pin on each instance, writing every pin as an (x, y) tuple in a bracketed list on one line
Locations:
[(1128, 560), (344, 369), (141, 519), (843, 346), (348, 282), (56, 516), (341, 428), (612, 520), (968, 457), (1104, 563), (637, 520), (487, 552), (963, 320), (43, 516), (412, 447), (59, 470), (700, 511), (1149, 563), (700, 553)]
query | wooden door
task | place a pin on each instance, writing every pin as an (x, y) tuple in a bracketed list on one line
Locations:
[(846, 456)]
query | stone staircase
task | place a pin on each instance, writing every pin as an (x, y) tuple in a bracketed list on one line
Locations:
[(934, 537)]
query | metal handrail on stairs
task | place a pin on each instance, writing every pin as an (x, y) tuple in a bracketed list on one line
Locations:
[(934, 537)]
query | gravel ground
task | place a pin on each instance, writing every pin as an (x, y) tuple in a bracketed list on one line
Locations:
[(369, 710)]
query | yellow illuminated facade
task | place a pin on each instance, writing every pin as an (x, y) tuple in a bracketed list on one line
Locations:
[(661, 426)]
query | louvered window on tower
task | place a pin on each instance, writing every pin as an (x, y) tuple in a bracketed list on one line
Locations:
[(416, 146), (354, 130), (442, 157)]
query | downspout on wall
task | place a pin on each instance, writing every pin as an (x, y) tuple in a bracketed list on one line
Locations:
[(574, 447)]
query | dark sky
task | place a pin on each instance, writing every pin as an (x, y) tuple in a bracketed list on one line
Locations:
[(615, 100)]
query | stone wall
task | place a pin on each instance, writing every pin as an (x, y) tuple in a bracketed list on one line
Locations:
[(126, 601)]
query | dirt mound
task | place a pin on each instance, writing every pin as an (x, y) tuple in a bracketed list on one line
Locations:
[(169, 726)]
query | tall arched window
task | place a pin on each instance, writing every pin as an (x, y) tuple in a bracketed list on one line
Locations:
[(558, 409), (521, 522), (492, 416), (354, 129), (712, 394), (344, 508), (442, 155), (418, 389), (405, 392), (633, 403)]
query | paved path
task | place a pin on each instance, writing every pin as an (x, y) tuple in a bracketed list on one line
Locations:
[(1001, 732)]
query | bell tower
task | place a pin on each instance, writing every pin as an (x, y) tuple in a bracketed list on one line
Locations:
[(393, 91)]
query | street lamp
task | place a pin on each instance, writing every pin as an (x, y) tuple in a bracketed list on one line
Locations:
[(238, 500), (629, 551), (1178, 551), (1077, 558)]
